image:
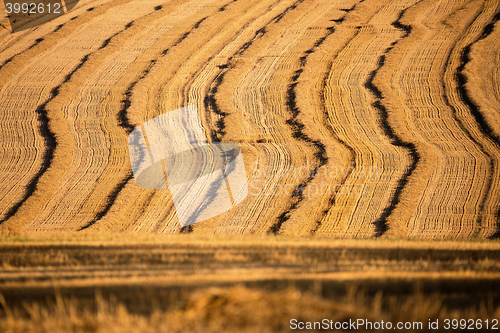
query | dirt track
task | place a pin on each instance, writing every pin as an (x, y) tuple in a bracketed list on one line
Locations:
[(398, 99)]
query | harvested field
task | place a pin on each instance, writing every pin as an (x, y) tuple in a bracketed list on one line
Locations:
[(372, 121), (355, 119)]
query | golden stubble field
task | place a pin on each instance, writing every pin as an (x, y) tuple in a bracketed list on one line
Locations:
[(370, 132)]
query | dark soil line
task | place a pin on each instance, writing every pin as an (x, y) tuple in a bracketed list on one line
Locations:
[(123, 120), (331, 30), (381, 222), (111, 199), (475, 110), (469, 136), (210, 100), (125, 123), (223, 8), (35, 43), (352, 152), (187, 229), (49, 139)]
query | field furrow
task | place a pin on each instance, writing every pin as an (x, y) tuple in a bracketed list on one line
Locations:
[(333, 170), (378, 164), (310, 193), (478, 89), (444, 193)]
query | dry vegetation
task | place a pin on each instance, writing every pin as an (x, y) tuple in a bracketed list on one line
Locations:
[(234, 309), (191, 284)]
